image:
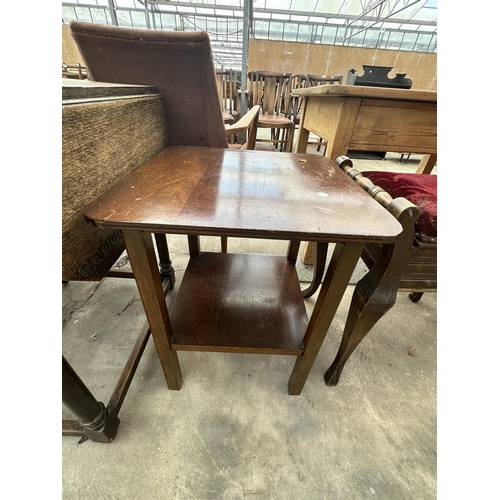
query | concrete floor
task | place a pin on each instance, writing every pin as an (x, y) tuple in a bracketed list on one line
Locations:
[(232, 431)]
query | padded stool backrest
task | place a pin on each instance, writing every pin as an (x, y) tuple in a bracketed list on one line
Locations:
[(420, 189), (179, 64)]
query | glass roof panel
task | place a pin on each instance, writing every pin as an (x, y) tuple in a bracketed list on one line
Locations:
[(205, 10), (428, 28), (423, 42), (277, 4), (371, 38), (125, 4), (99, 16), (275, 31), (168, 21), (303, 5), (83, 14), (400, 12), (335, 20), (392, 26), (283, 17), (425, 14), (303, 19), (262, 15), (407, 27), (349, 7), (189, 10), (409, 40)]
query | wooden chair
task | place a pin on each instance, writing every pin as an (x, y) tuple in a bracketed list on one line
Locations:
[(227, 87), (409, 264), (298, 82), (247, 126), (314, 81), (179, 64), (74, 71), (272, 92)]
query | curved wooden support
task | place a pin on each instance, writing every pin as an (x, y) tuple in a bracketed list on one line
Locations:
[(320, 249), (293, 250), (376, 292)]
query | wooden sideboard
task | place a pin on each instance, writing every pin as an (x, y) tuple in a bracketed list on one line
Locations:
[(370, 119)]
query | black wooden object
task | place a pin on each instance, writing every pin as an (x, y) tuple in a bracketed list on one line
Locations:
[(377, 76), (95, 421)]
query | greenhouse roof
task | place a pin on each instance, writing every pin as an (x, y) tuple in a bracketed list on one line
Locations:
[(409, 25)]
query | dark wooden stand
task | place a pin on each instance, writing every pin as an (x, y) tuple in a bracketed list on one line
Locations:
[(239, 302)]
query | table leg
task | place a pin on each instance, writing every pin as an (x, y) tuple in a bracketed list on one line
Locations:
[(426, 164), (342, 115), (345, 114), (308, 254), (194, 245), (142, 257), (342, 264), (289, 138), (293, 250), (97, 422), (302, 139), (166, 269)]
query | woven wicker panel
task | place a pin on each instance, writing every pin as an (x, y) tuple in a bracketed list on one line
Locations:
[(101, 142)]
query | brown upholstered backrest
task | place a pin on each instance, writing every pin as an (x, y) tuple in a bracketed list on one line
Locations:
[(179, 64)]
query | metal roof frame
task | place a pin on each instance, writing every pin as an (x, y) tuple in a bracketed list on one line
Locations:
[(409, 25)]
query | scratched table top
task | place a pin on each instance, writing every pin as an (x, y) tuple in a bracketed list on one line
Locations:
[(212, 191)]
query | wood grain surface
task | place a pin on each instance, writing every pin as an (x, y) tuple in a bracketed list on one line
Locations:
[(372, 92), (209, 191)]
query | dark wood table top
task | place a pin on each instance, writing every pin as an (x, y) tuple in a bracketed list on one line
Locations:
[(221, 192)]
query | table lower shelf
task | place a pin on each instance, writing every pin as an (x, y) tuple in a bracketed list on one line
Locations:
[(239, 303)]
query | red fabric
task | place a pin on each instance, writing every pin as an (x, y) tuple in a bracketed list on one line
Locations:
[(421, 190)]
